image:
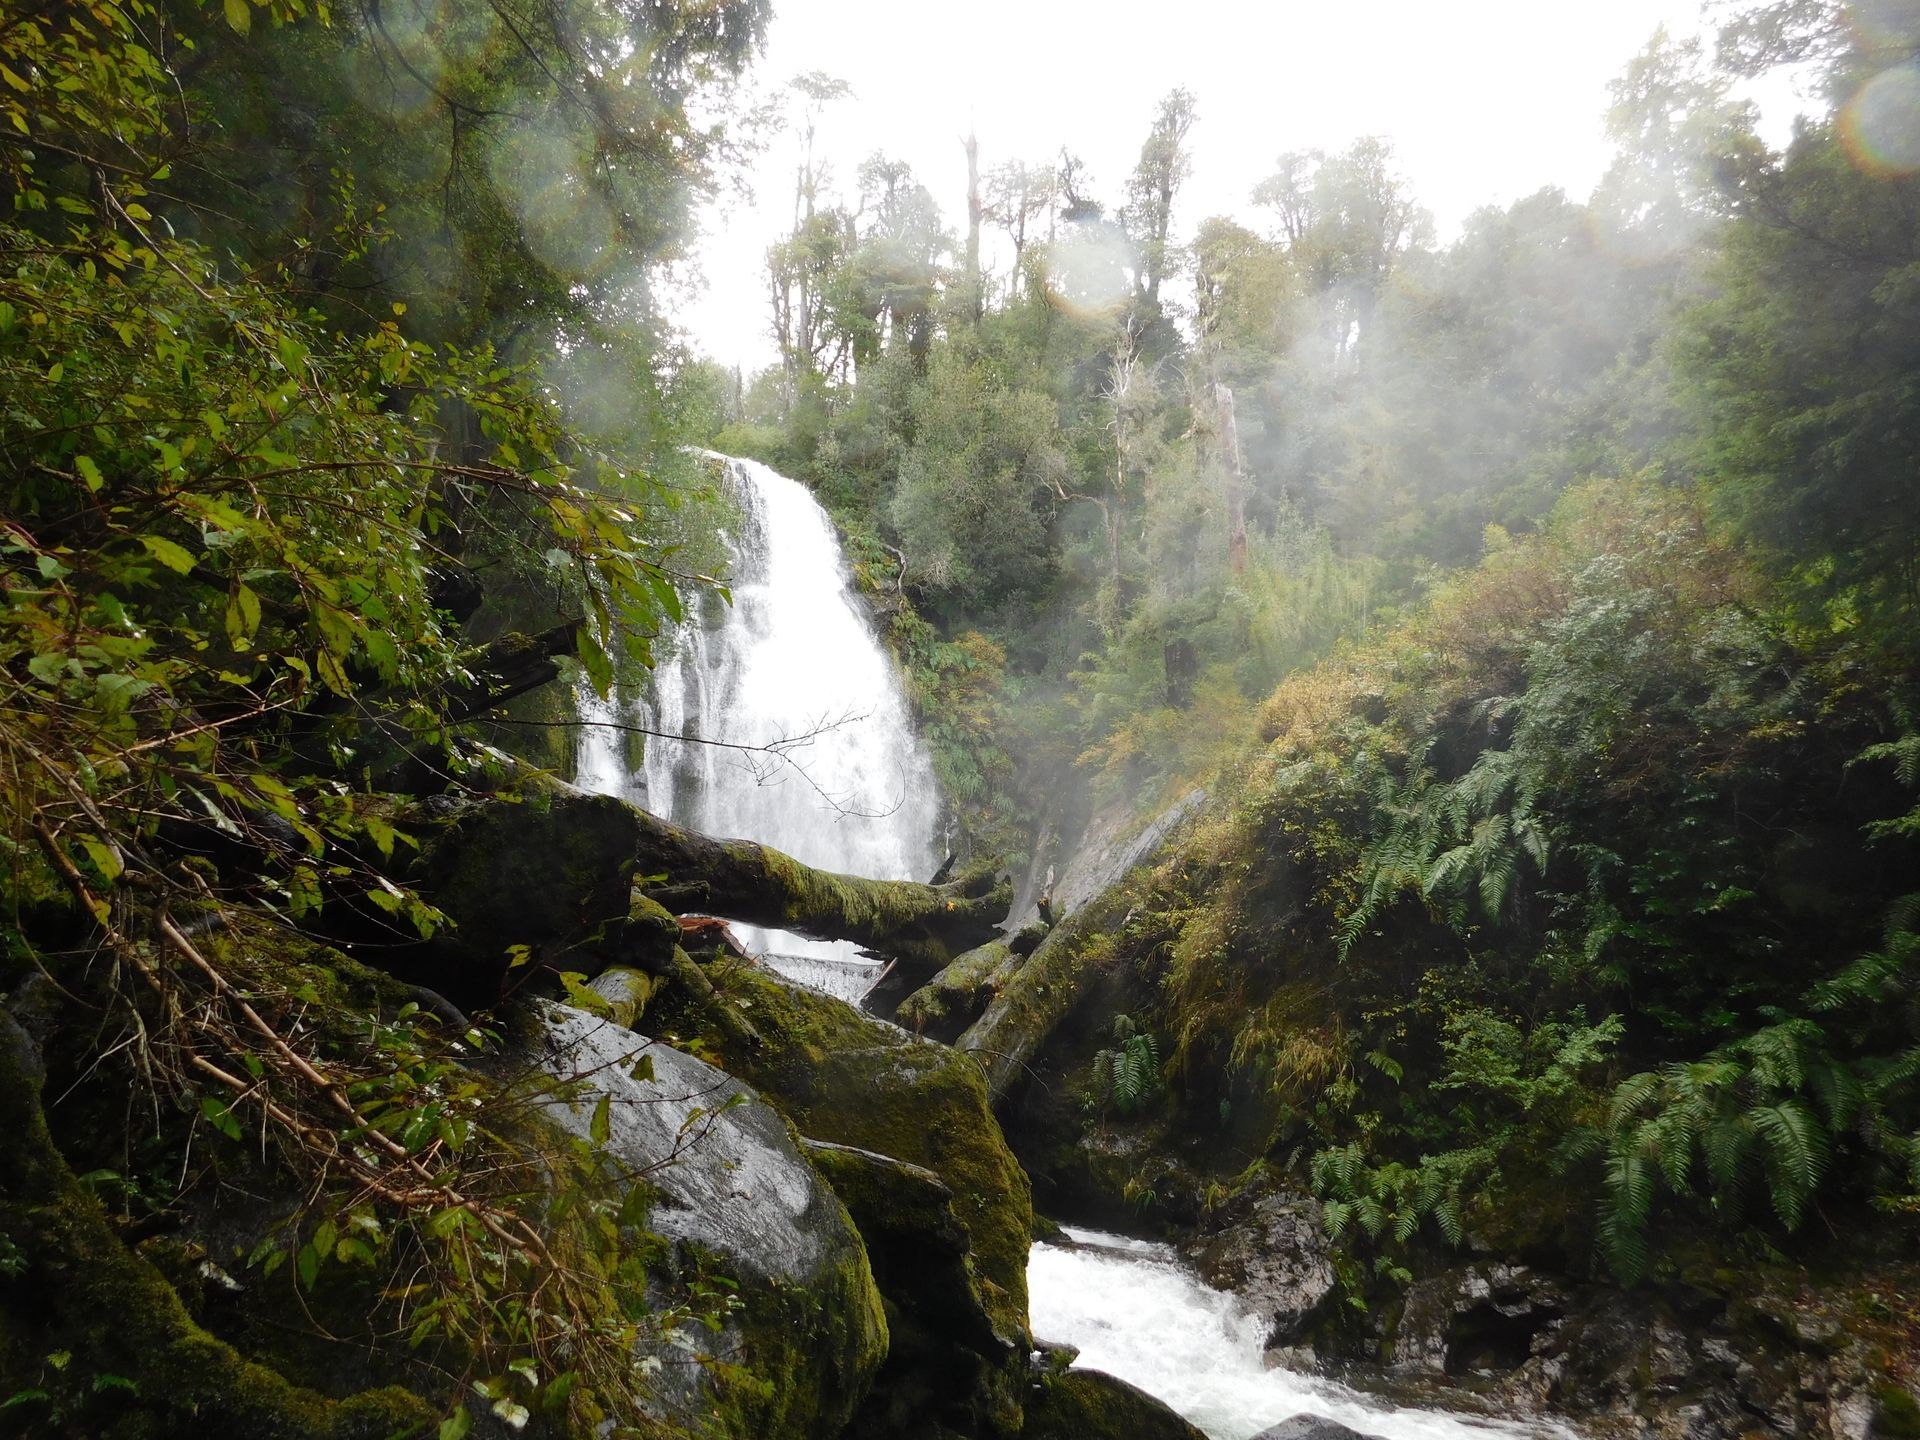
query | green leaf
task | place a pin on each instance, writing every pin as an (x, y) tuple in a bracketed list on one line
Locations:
[(89, 472), (240, 17), (220, 1116), (175, 557), (243, 616), (456, 1425), (105, 859), (595, 662), (602, 1126)]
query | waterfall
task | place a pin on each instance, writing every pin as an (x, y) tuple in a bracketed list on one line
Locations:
[(795, 655)]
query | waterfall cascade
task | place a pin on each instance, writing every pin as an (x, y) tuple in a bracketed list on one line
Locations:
[(795, 655)]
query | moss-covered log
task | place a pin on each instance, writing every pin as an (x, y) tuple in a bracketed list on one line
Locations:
[(922, 926)]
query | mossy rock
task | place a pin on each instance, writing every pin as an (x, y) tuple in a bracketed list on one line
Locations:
[(733, 1203), (947, 1369), (1041, 994), (947, 1004), (1093, 1405), (1896, 1413), (138, 1367), (847, 1078)]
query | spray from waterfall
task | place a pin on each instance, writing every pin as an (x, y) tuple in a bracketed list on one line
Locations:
[(795, 657)]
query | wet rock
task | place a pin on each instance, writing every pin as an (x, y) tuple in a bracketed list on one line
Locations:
[(1093, 1405), (731, 1190), (1312, 1427), (849, 1079), (944, 1355), (1478, 1319), (1112, 843), (1276, 1257)]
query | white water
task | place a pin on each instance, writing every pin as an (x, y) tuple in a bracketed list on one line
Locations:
[(1136, 1311), (794, 656)]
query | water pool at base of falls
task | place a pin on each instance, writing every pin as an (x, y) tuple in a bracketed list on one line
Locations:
[(1135, 1310)]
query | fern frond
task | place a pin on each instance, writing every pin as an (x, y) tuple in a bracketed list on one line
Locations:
[(1794, 1153)]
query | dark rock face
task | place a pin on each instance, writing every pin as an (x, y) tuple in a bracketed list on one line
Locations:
[(1274, 1254), (1481, 1320), (1093, 1405), (1681, 1363), (944, 1355), (1311, 1427)]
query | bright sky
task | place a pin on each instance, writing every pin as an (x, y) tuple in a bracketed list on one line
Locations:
[(1484, 101)]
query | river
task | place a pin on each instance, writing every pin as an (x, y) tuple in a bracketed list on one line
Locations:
[(1134, 1309)]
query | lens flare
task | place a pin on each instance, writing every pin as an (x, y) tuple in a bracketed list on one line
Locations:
[(540, 174), (1880, 125), (395, 71), (1091, 272)]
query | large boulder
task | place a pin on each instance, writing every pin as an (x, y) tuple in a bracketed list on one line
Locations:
[(947, 1365), (550, 868), (137, 1364), (852, 1080), (1093, 1405), (1273, 1253), (732, 1198)]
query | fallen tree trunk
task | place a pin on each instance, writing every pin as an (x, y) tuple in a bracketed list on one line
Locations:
[(923, 926)]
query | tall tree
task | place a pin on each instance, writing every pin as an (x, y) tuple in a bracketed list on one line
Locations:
[(1162, 169)]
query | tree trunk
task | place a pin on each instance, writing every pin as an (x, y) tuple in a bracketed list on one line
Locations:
[(1236, 479), (975, 299), (923, 926)]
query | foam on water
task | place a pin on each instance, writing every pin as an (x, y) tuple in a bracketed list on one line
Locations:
[(1135, 1310)]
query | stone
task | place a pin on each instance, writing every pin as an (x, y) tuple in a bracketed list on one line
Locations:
[(1093, 1405), (1312, 1427), (1278, 1260), (933, 1154), (550, 870), (730, 1188), (1476, 1319)]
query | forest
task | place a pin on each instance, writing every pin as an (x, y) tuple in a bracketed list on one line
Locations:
[(1522, 625)]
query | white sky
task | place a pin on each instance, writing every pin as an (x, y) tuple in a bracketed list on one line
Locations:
[(1484, 101)]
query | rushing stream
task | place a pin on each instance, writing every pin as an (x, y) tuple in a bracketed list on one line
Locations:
[(1135, 1310), (795, 655)]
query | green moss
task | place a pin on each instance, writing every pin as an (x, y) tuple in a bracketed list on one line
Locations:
[(141, 1368), (1897, 1413), (1090, 1405), (844, 1077), (951, 1001), (770, 1387)]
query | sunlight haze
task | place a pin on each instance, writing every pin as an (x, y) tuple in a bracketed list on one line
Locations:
[(1483, 103)]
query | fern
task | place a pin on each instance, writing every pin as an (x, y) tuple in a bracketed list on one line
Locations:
[(1127, 1076)]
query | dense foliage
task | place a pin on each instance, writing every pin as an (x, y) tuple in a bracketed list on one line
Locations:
[(1589, 862), (273, 487)]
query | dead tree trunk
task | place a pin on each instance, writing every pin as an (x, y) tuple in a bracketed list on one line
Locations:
[(1230, 462)]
